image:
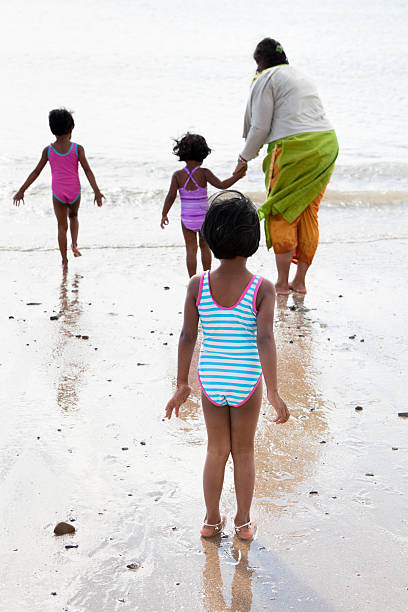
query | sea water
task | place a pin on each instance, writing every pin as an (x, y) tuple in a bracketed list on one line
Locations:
[(138, 74)]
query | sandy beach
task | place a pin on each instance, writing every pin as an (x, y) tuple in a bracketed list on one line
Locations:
[(84, 439)]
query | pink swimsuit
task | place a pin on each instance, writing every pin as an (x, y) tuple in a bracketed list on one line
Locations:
[(194, 203), (66, 187)]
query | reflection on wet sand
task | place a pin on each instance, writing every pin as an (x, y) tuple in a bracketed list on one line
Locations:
[(286, 455), (235, 554), (72, 368)]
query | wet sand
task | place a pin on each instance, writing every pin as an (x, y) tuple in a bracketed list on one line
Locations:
[(83, 438)]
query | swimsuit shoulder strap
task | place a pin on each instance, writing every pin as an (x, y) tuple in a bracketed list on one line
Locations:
[(190, 176)]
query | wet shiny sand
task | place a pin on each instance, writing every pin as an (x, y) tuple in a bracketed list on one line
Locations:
[(71, 405)]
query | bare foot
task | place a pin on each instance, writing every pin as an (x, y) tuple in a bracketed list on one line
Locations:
[(282, 290), (76, 252), (298, 288)]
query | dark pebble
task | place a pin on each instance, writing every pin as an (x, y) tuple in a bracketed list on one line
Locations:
[(313, 492), (68, 546), (340, 295), (167, 288), (362, 340), (403, 414), (164, 343), (300, 336), (53, 593), (290, 341), (125, 448), (177, 583), (54, 318), (352, 337), (358, 408), (143, 443), (152, 331), (133, 566), (85, 337), (77, 335), (395, 448), (292, 307), (63, 528), (139, 363), (11, 317), (322, 442), (369, 474), (33, 303)]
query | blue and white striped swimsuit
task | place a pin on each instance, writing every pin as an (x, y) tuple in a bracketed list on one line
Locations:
[(229, 368)]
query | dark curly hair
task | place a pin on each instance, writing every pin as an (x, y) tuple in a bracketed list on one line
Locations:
[(191, 147), (61, 121), (269, 52), (231, 226)]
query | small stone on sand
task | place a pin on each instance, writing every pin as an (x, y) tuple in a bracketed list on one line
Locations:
[(313, 492), (369, 474), (54, 318), (133, 566), (143, 443), (358, 408), (63, 528), (403, 414), (85, 337), (68, 546)]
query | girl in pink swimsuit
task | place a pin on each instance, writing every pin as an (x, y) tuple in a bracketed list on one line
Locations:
[(63, 156), (191, 184)]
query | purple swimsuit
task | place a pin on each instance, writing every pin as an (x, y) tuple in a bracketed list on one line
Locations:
[(66, 187), (194, 203)]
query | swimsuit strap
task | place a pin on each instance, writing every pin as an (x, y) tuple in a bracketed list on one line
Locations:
[(190, 176)]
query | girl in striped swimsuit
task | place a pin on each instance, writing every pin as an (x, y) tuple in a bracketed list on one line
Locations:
[(236, 311), (191, 183)]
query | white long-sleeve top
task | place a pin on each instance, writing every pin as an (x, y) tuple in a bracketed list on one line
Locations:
[(282, 102)]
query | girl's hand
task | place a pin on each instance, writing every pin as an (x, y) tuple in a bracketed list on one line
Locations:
[(98, 198), (164, 221), (18, 197), (180, 396), (282, 412), (241, 167)]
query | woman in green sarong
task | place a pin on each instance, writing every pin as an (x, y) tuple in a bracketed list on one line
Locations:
[(284, 111)]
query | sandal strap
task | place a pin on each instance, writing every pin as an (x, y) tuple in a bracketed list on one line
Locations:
[(216, 526), (237, 528)]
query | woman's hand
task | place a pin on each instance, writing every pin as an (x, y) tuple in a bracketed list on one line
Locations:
[(180, 396), (98, 198), (164, 221), (282, 412), (241, 167), (18, 197)]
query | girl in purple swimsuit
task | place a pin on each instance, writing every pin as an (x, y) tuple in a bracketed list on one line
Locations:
[(191, 183), (63, 156)]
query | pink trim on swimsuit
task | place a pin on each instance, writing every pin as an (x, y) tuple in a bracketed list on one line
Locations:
[(254, 308), (200, 291), (240, 298), (223, 405)]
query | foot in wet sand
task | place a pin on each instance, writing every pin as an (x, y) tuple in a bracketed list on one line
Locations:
[(210, 530), (282, 289), (76, 252), (246, 531), (298, 288)]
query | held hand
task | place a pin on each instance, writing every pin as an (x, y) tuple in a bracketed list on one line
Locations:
[(180, 396), (98, 198), (282, 412), (241, 167), (164, 221), (18, 197)]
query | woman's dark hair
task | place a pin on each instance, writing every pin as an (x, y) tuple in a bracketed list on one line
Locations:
[(191, 147), (269, 52), (231, 226), (61, 121)]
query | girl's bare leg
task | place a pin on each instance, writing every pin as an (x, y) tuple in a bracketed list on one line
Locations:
[(61, 211), (244, 420), (217, 421), (190, 239), (205, 253), (74, 225)]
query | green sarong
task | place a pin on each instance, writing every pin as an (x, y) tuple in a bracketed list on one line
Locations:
[(303, 168)]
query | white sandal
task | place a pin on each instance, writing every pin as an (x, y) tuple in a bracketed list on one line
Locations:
[(251, 525), (218, 527)]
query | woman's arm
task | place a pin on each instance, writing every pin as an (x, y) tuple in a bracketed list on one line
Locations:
[(215, 181), (19, 196), (186, 346), (169, 201), (261, 107), (90, 175), (267, 349)]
